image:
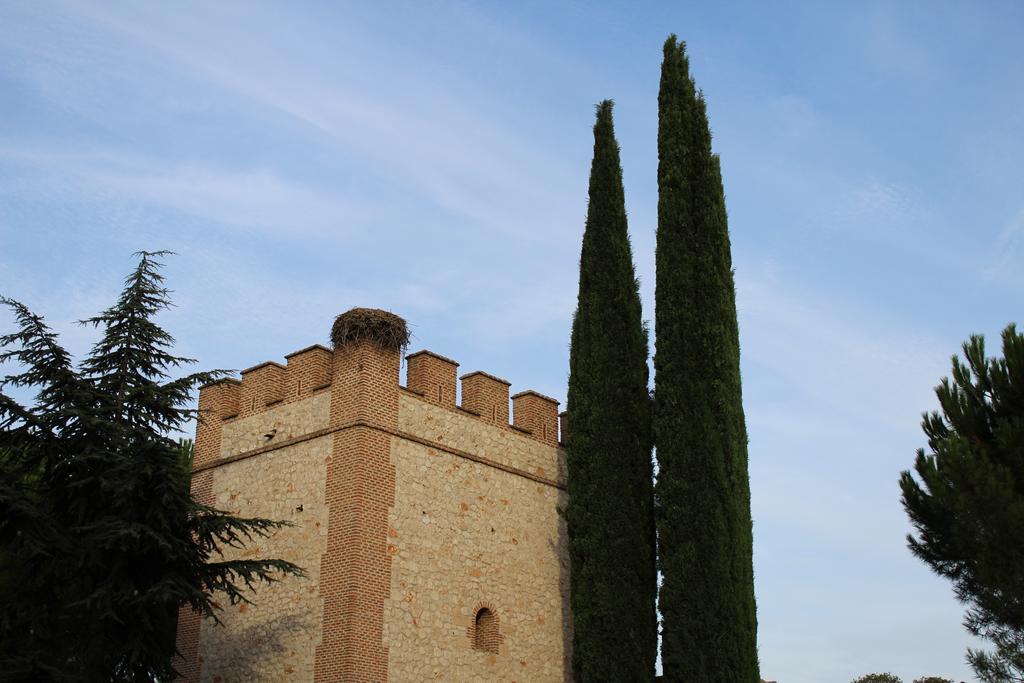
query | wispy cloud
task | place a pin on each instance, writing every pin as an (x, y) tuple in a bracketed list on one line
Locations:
[(251, 199), (835, 352), (424, 138), (1009, 253)]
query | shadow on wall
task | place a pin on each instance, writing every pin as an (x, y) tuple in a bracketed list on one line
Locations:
[(560, 548), (246, 653)]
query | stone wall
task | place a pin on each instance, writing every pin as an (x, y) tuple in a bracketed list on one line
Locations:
[(465, 535), (281, 422), (465, 432), (275, 638)]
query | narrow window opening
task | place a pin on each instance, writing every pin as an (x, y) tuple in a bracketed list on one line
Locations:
[(485, 631)]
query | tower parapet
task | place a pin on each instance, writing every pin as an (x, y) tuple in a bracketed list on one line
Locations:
[(308, 370), (486, 395), (217, 402), (431, 376), (262, 385), (536, 413)]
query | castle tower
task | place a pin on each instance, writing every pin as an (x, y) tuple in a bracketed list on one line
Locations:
[(428, 527)]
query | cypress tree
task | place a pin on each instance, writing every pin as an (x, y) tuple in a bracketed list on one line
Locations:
[(703, 490), (610, 512)]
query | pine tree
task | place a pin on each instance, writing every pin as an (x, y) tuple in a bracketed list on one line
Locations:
[(703, 491), (968, 507), (610, 511), (101, 542)]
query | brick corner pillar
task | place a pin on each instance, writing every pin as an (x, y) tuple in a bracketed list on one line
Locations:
[(217, 401), (355, 570)]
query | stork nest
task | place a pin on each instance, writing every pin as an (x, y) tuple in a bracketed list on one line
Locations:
[(385, 330)]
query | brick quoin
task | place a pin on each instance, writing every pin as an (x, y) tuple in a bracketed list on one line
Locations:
[(187, 663), (216, 401), (356, 568)]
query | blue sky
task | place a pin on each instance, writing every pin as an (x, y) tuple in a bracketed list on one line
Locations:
[(432, 158)]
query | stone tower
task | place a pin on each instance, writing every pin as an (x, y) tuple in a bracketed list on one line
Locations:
[(429, 528)]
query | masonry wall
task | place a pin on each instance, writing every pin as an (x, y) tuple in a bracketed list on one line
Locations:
[(465, 535), (275, 638)]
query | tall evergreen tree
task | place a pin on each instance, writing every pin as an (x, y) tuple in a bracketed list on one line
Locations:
[(703, 490), (101, 542), (967, 501), (611, 499)]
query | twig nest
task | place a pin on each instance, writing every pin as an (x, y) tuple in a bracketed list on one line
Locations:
[(383, 329)]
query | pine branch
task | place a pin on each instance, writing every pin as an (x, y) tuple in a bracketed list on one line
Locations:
[(97, 522)]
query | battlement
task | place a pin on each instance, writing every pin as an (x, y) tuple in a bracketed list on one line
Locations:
[(430, 376), (265, 385)]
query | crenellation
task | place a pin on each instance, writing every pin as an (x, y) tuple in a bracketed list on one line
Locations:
[(429, 375), (486, 395), (308, 370), (262, 385), (536, 413), (217, 402), (432, 376), (222, 397)]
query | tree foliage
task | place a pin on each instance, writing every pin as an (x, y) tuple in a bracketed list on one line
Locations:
[(893, 678), (966, 503), (703, 490), (610, 511), (878, 678), (101, 542)]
